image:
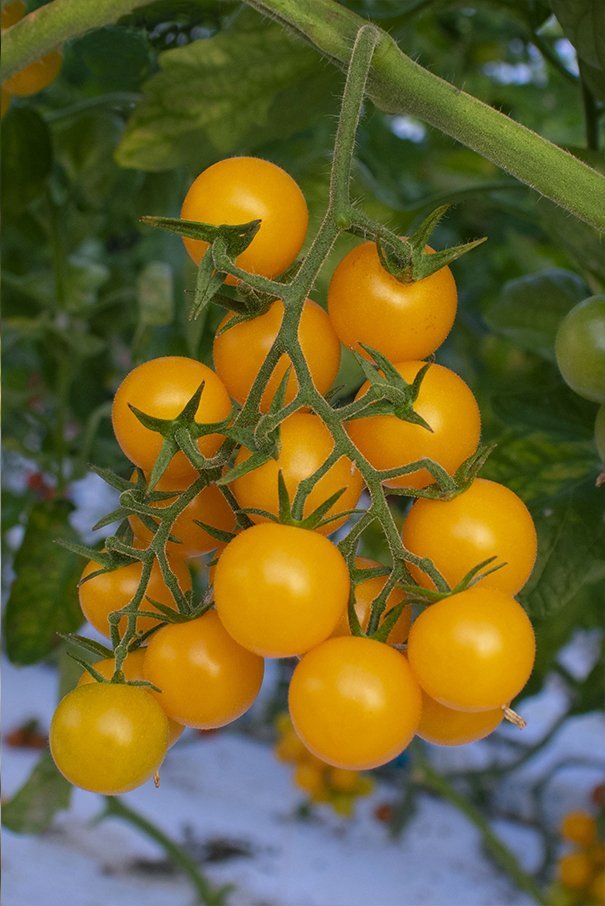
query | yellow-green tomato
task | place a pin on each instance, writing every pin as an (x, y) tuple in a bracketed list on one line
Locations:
[(354, 702), (108, 738), (279, 590)]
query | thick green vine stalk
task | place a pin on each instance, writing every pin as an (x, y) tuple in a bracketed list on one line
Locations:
[(396, 84)]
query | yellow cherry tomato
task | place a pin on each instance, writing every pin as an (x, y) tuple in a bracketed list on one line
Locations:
[(354, 702), (304, 445), (486, 520), (12, 13), (239, 352), (36, 76), (279, 590), (580, 828), (575, 870), (473, 651), (108, 738), (240, 189), (365, 593), (446, 404), (445, 727), (403, 321), (113, 590), (206, 679), (161, 388)]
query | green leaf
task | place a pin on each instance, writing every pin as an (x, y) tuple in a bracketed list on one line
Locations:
[(234, 91), (531, 308), (109, 59), (32, 809), (583, 21), (540, 466), (571, 541), (43, 600), (26, 158), (155, 294)]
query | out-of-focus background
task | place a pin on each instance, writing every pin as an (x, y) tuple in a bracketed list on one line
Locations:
[(136, 112)]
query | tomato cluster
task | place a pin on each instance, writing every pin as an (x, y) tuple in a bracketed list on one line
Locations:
[(37, 75), (281, 587), (323, 784), (581, 870)]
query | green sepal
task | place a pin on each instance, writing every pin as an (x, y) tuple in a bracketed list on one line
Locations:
[(285, 505), (248, 465), (315, 518), (208, 282), (83, 550), (237, 236), (86, 665), (90, 646), (111, 478), (354, 624), (219, 534), (115, 516), (477, 574), (407, 260)]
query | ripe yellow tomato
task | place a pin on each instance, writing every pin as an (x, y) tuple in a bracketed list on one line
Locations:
[(161, 388), (240, 189), (473, 651), (238, 353), (279, 590), (365, 592), (304, 445), (575, 870), (580, 828), (447, 405), (354, 702), (206, 679), (113, 590), (132, 669), (486, 520), (36, 76), (208, 506), (108, 738), (403, 321), (446, 727)]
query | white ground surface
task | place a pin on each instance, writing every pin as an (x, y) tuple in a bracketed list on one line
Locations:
[(229, 786)]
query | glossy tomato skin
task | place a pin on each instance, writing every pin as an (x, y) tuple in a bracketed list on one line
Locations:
[(238, 353), (208, 506), (132, 668), (449, 407), (108, 738), (206, 679), (113, 590), (580, 348), (240, 189), (365, 593), (445, 727), (403, 321), (304, 445), (484, 521), (161, 388), (279, 590), (354, 702), (473, 651), (36, 76)]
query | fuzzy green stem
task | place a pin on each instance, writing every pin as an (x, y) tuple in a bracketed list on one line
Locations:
[(207, 894)]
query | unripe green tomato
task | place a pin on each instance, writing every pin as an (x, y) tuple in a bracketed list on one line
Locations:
[(580, 348), (599, 432)]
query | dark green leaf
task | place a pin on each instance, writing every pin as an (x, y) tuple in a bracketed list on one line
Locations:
[(155, 294), (531, 308), (109, 59), (26, 158), (583, 21), (571, 541), (236, 90), (44, 599), (32, 809)]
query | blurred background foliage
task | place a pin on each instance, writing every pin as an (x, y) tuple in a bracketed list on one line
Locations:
[(141, 107)]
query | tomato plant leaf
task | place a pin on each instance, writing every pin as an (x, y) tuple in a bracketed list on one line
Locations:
[(44, 598), (26, 158), (583, 21), (234, 91), (531, 308), (32, 808)]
